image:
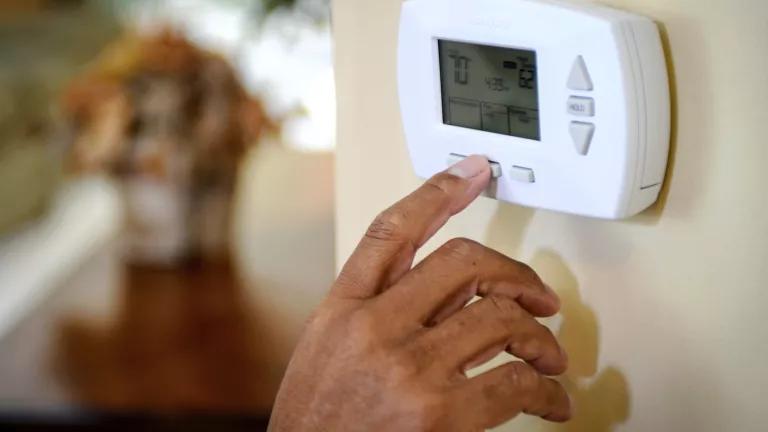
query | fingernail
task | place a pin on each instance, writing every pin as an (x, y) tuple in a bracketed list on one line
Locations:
[(470, 167)]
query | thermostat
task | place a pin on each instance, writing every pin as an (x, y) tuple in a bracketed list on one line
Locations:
[(569, 101)]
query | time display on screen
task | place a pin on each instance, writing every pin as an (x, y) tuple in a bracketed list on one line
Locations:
[(489, 88)]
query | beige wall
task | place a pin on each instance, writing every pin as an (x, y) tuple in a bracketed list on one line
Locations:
[(283, 238), (665, 314)]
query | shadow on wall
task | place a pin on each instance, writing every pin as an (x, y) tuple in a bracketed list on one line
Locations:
[(503, 236), (600, 397)]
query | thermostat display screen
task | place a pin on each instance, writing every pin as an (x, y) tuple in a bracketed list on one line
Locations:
[(489, 88)]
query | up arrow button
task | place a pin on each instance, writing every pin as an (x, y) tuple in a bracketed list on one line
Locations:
[(579, 78)]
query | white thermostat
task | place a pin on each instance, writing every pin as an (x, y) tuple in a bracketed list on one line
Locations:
[(570, 101)]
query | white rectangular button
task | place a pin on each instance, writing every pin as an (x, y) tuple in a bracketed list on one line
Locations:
[(453, 159), (581, 106), (495, 170), (522, 174)]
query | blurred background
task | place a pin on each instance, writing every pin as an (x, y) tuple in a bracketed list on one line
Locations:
[(166, 207)]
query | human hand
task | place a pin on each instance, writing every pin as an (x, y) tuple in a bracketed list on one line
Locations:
[(389, 348)]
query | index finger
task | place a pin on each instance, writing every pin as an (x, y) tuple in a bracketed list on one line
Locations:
[(387, 250)]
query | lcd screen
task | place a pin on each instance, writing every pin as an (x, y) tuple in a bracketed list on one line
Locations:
[(489, 88)]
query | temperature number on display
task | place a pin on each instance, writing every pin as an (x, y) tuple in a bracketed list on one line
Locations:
[(489, 88)]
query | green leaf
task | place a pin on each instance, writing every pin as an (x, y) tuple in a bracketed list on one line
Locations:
[(272, 5)]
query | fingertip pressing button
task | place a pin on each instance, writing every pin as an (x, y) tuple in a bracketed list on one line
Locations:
[(453, 159)]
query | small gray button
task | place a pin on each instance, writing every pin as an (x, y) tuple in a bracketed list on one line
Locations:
[(579, 78), (522, 174), (581, 106), (495, 170), (454, 158), (582, 134)]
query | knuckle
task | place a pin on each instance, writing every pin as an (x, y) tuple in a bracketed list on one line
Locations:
[(506, 308), (427, 409), (350, 280), (526, 347), (416, 356), (460, 249), (365, 329), (527, 272), (402, 368), (423, 350), (388, 225), (523, 377), (433, 413)]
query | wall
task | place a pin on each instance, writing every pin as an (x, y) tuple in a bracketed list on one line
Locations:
[(283, 222), (664, 314)]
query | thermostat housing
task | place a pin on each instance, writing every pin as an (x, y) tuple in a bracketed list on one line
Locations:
[(570, 101)]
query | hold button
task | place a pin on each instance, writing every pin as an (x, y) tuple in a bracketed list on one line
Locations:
[(581, 106)]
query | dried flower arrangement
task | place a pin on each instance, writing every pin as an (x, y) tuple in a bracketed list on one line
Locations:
[(172, 122)]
